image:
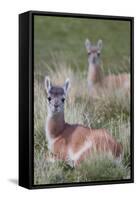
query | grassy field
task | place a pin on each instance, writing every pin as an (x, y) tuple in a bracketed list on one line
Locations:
[(60, 53)]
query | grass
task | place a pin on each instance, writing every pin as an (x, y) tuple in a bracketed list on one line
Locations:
[(60, 53)]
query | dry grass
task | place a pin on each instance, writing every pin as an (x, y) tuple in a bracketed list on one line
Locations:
[(111, 111)]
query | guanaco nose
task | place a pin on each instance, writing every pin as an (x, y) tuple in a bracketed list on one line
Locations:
[(56, 105), (94, 60)]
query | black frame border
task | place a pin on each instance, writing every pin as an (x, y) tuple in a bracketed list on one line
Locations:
[(29, 26)]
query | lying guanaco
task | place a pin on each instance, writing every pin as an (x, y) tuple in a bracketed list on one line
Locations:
[(96, 81), (72, 142)]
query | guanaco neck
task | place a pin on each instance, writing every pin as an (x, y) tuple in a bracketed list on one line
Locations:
[(55, 124), (94, 74)]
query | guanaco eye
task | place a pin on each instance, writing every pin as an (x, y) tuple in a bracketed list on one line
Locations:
[(63, 99), (49, 98)]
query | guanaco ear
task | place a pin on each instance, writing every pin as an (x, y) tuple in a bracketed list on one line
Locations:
[(99, 44), (48, 84), (66, 86), (88, 45)]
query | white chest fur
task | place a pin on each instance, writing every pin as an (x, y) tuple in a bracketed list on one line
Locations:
[(76, 156)]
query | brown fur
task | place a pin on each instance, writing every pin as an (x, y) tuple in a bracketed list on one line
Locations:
[(112, 82), (74, 136), (94, 74), (117, 81), (73, 142)]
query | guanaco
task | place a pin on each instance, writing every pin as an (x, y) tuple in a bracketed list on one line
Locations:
[(96, 81), (72, 142)]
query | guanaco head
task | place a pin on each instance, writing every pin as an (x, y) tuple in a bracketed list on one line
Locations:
[(56, 96), (93, 51)]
